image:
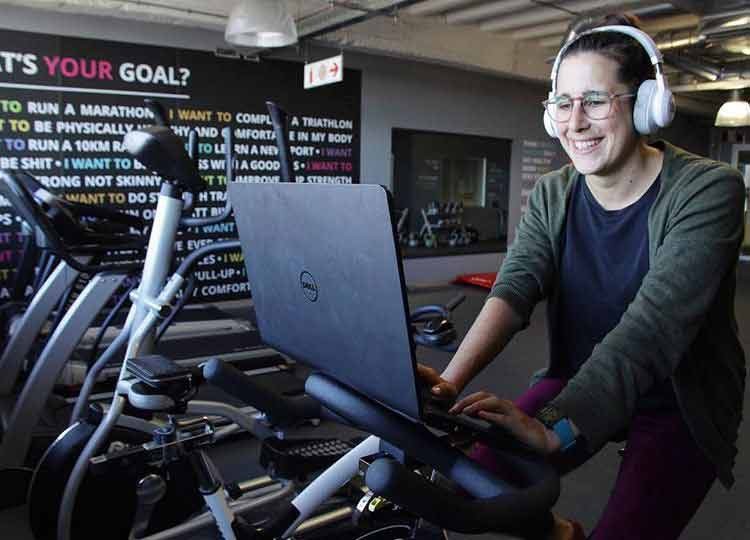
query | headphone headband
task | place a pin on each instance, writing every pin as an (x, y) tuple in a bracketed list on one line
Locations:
[(640, 36), (654, 103)]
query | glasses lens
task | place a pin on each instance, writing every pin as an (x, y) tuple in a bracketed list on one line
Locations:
[(560, 108), (596, 106)]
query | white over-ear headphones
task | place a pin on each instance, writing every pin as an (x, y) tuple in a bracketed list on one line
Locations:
[(654, 103)]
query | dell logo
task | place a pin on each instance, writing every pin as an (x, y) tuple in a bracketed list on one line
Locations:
[(309, 287)]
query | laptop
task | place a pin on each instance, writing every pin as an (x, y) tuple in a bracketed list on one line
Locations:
[(328, 285)]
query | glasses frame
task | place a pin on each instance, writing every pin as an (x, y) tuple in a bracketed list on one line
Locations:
[(547, 102)]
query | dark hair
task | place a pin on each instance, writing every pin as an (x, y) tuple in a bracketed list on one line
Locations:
[(635, 64)]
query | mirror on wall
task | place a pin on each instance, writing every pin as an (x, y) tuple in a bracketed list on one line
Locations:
[(451, 192)]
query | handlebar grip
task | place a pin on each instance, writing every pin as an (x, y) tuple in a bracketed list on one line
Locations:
[(158, 110), (281, 410), (446, 507), (193, 146), (455, 302), (498, 502), (280, 129), (104, 212), (226, 133)]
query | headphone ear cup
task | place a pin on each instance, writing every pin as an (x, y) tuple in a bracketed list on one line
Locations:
[(664, 107), (550, 125), (643, 119)]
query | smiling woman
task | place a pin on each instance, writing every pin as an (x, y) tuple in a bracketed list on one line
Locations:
[(618, 163), (634, 245)]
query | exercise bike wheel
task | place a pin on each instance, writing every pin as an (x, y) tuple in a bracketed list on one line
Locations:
[(106, 501)]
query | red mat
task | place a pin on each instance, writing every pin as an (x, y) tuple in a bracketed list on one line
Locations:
[(485, 280)]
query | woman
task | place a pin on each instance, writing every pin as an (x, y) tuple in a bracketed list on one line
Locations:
[(634, 245)]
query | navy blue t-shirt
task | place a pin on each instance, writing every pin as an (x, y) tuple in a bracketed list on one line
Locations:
[(605, 257)]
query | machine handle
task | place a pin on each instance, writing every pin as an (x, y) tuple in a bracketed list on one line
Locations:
[(281, 410)]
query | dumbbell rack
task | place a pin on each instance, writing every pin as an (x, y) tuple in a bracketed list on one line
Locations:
[(438, 225)]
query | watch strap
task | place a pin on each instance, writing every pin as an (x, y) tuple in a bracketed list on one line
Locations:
[(564, 432), (554, 419)]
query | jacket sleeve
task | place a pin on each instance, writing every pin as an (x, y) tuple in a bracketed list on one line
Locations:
[(703, 232), (526, 273)]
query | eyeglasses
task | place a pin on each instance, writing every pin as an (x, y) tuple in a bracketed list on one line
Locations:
[(596, 105)]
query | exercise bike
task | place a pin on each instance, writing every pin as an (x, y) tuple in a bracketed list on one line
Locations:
[(150, 401)]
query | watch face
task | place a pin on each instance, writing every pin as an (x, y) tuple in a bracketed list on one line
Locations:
[(549, 416)]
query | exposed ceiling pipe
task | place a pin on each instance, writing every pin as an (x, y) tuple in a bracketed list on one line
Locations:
[(387, 8), (653, 10), (691, 66), (732, 84), (532, 32), (726, 32), (433, 7), (673, 42), (132, 9), (674, 22), (726, 14), (489, 9), (558, 30), (552, 13)]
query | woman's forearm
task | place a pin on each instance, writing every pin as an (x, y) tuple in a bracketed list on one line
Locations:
[(493, 328)]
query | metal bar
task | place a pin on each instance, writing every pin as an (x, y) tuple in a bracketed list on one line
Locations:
[(385, 11), (691, 66), (712, 85), (168, 7), (433, 7), (28, 409), (28, 328), (206, 519)]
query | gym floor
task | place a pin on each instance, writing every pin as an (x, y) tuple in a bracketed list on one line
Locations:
[(723, 515)]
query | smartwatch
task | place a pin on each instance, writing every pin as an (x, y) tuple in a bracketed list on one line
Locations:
[(553, 419)]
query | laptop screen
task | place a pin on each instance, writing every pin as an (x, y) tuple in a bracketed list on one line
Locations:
[(327, 283)]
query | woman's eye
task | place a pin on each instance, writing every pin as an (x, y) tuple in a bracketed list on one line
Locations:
[(594, 102)]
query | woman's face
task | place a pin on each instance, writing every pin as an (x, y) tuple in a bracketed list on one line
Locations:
[(596, 147)]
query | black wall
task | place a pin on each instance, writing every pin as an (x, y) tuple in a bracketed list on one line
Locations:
[(65, 104)]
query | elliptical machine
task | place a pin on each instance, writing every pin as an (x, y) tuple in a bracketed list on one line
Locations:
[(160, 150), (154, 384), (76, 235)]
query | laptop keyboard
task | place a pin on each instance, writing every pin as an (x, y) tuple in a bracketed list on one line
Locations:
[(435, 415)]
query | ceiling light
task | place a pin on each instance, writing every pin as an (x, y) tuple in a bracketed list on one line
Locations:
[(261, 23), (734, 113), (737, 45), (741, 21)]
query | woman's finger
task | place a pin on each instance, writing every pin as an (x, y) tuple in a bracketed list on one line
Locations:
[(490, 403), (493, 404), (462, 403), (428, 373)]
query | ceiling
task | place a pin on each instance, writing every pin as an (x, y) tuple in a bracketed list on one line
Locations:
[(706, 44)]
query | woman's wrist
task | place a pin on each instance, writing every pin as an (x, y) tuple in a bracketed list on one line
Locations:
[(560, 432)]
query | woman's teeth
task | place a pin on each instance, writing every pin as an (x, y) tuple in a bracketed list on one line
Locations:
[(585, 145)]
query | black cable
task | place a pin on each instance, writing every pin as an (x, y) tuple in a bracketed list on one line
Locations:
[(62, 306), (107, 322), (187, 293), (47, 263)]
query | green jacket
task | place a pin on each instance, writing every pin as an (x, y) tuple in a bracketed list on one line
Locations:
[(681, 322)]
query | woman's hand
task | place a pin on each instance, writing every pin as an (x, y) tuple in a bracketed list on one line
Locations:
[(506, 415), (439, 387)]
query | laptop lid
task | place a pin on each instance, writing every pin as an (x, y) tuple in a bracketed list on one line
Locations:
[(328, 285)]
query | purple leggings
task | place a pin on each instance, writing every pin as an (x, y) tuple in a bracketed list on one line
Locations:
[(663, 475)]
